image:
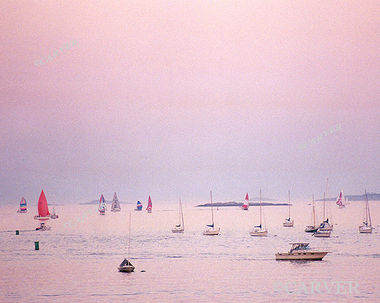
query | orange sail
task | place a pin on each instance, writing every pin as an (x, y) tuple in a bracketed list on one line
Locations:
[(43, 210)]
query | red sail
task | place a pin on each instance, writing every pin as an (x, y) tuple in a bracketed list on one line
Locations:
[(43, 210), (149, 207), (246, 197)]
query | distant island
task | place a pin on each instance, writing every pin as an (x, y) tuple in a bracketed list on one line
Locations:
[(220, 204), (371, 197), (97, 202)]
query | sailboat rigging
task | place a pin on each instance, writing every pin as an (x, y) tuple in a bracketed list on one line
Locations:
[(211, 230), (126, 265), (366, 228), (288, 221), (259, 230), (180, 227)]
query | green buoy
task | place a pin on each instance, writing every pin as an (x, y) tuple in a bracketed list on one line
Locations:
[(17, 232), (37, 245)]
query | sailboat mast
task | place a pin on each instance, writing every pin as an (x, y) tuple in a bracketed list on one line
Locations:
[(289, 202), (129, 235), (313, 211), (212, 210), (180, 205), (260, 208), (324, 205)]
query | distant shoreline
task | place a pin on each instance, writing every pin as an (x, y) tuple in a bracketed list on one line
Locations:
[(221, 204)]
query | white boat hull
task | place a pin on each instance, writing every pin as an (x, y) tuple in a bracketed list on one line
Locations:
[(212, 232), (259, 233), (288, 224), (311, 229), (178, 230), (41, 218), (365, 229), (301, 255), (322, 234), (116, 209)]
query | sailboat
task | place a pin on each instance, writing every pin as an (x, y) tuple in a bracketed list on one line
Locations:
[(54, 215), (43, 210), (102, 206), (127, 266), (23, 209), (259, 230), (312, 228), (180, 227), (138, 206), (211, 230), (325, 225), (115, 206), (366, 228), (245, 205), (339, 200), (149, 207), (288, 222)]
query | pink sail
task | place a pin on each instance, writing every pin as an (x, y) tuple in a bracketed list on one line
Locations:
[(149, 207), (339, 200), (246, 204), (43, 210)]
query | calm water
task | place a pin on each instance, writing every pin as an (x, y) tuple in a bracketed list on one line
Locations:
[(78, 258)]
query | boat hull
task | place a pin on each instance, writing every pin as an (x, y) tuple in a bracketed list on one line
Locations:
[(116, 210), (258, 233), (22, 211), (41, 218), (127, 268), (311, 229), (288, 224), (325, 234), (304, 256), (177, 230), (211, 232), (365, 229)]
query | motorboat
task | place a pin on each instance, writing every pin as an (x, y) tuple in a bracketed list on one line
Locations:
[(301, 251)]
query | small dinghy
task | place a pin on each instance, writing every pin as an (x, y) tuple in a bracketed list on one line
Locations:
[(301, 251), (54, 215), (43, 227), (149, 207), (322, 233), (126, 266)]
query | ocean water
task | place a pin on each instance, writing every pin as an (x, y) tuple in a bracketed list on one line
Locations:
[(79, 256)]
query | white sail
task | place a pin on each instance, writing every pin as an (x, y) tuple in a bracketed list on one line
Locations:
[(115, 203)]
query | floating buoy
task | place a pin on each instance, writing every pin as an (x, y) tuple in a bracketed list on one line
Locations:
[(17, 232), (37, 245), (143, 270)]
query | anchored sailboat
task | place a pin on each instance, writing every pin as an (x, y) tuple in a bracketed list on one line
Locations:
[(366, 228), (127, 266), (325, 225), (339, 200), (138, 206), (180, 227), (312, 228), (23, 209), (288, 221), (211, 230), (43, 210), (245, 205), (259, 230), (54, 215), (115, 204), (102, 206), (149, 207)]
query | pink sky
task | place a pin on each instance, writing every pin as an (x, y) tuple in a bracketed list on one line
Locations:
[(174, 98)]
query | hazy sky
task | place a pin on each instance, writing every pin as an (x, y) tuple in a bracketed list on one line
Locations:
[(173, 98)]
